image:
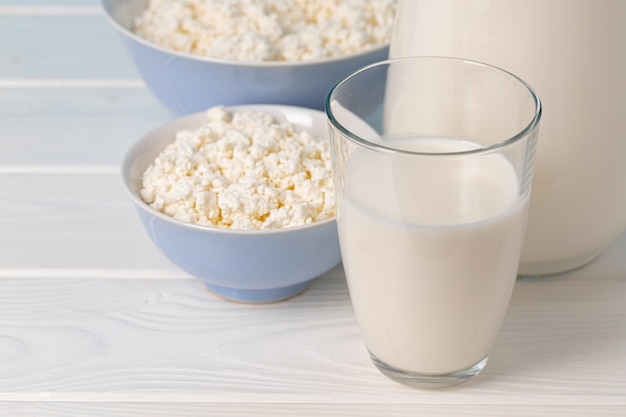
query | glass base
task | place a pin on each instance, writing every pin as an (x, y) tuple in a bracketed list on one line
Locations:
[(429, 381)]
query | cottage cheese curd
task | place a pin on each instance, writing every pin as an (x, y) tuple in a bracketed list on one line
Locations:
[(242, 170), (267, 30)]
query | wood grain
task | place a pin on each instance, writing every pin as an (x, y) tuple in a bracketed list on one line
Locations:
[(61, 409), (61, 46), (41, 128), (77, 220), (124, 340)]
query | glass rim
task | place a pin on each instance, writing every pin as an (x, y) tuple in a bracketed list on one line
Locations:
[(530, 126)]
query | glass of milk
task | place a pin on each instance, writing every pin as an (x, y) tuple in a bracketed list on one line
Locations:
[(433, 162)]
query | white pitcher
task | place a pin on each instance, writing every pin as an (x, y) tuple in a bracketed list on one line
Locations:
[(573, 53)]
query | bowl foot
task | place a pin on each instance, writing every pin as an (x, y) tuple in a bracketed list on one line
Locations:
[(259, 296)]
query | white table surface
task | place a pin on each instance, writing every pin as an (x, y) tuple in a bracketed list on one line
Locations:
[(94, 321)]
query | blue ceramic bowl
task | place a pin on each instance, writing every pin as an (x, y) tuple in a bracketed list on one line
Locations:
[(250, 266), (187, 83)]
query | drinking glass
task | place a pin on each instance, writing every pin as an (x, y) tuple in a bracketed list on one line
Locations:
[(433, 161)]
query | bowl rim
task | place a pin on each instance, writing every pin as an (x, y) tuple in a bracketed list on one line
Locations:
[(132, 154), (239, 63)]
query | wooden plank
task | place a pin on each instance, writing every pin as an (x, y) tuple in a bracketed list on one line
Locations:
[(141, 340), (61, 46), (76, 220), (48, 409), (122, 339), (75, 126)]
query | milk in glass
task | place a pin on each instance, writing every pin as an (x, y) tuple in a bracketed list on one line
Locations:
[(431, 247)]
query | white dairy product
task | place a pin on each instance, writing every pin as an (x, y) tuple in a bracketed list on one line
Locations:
[(267, 30), (430, 293), (572, 53), (242, 170)]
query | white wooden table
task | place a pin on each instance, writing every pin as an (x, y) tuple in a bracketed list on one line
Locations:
[(94, 321)]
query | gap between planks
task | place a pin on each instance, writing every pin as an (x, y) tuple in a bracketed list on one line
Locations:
[(402, 396), (75, 83), (115, 273), (93, 273), (78, 169), (61, 10)]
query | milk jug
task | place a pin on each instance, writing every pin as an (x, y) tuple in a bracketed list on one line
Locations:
[(573, 53)]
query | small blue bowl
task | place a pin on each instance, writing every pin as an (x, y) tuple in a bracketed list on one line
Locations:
[(255, 266), (186, 83)]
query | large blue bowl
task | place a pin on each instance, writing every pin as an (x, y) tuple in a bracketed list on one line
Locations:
[(187, 83), (249, 266)]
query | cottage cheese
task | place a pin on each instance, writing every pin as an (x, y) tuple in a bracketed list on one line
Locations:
[(242, 170), (267, 30)]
